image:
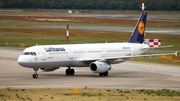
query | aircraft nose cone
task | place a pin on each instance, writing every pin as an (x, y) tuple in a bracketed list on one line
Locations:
[(21, 61), (25, 62)]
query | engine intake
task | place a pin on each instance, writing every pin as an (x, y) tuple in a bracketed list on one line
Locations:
[(99, 67), (49, 69)]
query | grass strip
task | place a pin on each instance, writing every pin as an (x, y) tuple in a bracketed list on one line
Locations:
[(88, 94)]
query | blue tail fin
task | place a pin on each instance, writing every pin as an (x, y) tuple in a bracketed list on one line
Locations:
[(138, 33)]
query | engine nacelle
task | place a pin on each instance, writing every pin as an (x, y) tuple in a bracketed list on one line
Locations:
[(49, 69), (99, 67)]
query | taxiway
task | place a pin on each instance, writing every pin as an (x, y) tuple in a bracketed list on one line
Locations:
[(109, 28), (127, 75)]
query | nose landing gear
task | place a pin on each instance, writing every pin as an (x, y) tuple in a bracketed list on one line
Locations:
[(35, 76)]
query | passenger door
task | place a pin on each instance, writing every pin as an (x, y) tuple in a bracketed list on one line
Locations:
[(43, 54)]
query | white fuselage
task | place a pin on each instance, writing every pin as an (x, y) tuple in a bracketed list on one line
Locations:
[(73, 55)]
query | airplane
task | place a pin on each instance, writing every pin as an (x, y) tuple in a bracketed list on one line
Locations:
[(98, 56)]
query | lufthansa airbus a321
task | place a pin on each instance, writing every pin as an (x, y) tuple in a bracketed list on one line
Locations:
[(97, 57)]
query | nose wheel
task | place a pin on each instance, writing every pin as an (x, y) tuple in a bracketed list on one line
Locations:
[(35, 75)]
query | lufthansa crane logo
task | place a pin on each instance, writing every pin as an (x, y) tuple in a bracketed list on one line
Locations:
[(141, 27)]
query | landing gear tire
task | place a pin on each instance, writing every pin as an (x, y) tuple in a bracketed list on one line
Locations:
[(106, 74), (70, 72), (67, 71), (35, 76), (103, 74), (100, 74)]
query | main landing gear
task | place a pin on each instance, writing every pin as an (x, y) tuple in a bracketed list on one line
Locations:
[(70, 71), (103, 74), (35, 76)]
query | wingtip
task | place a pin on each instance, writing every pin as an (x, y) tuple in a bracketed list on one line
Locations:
[(176, 53)]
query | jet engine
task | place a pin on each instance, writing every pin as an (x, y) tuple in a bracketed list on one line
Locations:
[(49, 69), (99, 67)]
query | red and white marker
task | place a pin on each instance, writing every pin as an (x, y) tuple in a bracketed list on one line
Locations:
[(153, 42), (67, 33), (142, 6)]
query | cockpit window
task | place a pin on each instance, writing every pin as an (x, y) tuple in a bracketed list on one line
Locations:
[(26, 53), (29, 53), (34, 53)]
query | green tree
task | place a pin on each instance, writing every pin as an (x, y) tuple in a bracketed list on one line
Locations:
[(1, 4), (92, 4)]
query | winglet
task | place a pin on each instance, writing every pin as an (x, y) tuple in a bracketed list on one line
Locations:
[(176, 53)]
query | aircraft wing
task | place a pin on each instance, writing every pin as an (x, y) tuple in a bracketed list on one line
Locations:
[(158, 47), (89, 60)]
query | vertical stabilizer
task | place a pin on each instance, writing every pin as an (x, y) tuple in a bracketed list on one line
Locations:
[(139, 30)]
